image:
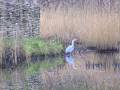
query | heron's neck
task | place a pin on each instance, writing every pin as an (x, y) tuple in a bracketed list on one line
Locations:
[(73, 43)]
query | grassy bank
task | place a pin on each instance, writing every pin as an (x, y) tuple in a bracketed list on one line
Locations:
[(16, 51), (93, 29), (39, 46)]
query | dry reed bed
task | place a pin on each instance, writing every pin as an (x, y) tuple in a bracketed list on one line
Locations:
[(96, 29)]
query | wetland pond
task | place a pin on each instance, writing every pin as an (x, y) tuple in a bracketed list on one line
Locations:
[(88, 71)]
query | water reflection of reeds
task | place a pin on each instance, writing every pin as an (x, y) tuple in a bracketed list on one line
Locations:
[(94, 72)]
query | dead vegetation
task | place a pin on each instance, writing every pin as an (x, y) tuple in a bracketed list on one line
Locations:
[(95, 29)]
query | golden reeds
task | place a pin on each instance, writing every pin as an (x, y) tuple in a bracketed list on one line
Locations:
[(96, 29)]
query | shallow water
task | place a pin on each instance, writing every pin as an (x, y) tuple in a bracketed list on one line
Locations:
[(91, 71)]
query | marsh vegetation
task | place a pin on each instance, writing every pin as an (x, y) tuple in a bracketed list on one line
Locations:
[(34, 60)]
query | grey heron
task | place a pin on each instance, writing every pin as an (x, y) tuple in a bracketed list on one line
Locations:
[(70, 48)]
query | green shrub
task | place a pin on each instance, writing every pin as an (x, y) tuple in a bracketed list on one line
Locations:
[(37, 45)]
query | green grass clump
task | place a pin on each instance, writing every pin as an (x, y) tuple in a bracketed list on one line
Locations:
[(39, 46)]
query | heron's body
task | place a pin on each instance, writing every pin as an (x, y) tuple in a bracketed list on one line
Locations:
[(71, 47)]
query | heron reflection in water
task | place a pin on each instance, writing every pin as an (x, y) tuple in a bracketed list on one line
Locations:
[(70, 60)]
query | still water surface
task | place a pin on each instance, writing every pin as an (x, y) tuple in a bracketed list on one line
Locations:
[(88, 71)]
